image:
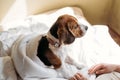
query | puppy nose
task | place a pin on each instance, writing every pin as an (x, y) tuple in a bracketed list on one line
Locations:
[(86, 27)]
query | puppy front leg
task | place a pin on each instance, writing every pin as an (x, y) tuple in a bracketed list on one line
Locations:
[(71, 61), (66, 71), (78, 65)]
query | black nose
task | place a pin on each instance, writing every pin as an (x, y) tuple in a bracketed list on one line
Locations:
[(86, 27)]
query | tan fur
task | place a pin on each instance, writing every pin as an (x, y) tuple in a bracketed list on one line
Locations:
[(54, 60), (71, 23), (68, 25)]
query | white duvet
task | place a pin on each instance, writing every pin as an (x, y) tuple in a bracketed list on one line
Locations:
[(18, 59)]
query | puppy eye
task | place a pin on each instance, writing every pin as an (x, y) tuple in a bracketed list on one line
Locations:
[(76, 26)]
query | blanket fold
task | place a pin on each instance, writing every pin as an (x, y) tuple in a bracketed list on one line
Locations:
[(26, 62), (7, 69)]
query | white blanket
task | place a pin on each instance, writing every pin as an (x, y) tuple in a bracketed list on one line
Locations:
[(96, 46)]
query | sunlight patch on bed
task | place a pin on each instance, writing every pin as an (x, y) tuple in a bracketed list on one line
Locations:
[(17, 12)]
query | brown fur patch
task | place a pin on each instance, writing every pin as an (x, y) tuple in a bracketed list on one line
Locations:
[(68, 29), (53, 59)]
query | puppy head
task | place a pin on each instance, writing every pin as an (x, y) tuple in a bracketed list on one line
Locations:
[(67, 28)]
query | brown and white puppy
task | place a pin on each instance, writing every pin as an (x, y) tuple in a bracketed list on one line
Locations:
[(52, 49)]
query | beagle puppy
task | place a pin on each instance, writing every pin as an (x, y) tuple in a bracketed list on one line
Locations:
[(54, 47)]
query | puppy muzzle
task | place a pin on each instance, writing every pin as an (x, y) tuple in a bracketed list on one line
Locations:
[(84, 28)]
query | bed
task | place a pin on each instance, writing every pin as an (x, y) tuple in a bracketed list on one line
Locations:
[(17, 64)]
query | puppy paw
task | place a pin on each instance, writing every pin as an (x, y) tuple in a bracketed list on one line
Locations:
[(80, 66)]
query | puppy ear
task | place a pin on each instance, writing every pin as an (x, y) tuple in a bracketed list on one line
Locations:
[(65, 36), (53, 59), (74, 28)]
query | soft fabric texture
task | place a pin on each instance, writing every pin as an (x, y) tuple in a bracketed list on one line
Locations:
[(7, 70), (19, 44), (109, 76)]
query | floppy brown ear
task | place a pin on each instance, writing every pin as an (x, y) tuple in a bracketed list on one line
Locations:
[(53, 59), (65, 36), (74, 28)]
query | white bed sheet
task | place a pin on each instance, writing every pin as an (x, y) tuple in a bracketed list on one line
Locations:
[(97, 45)]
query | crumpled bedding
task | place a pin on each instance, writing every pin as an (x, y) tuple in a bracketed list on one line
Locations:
[(18, 47)]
